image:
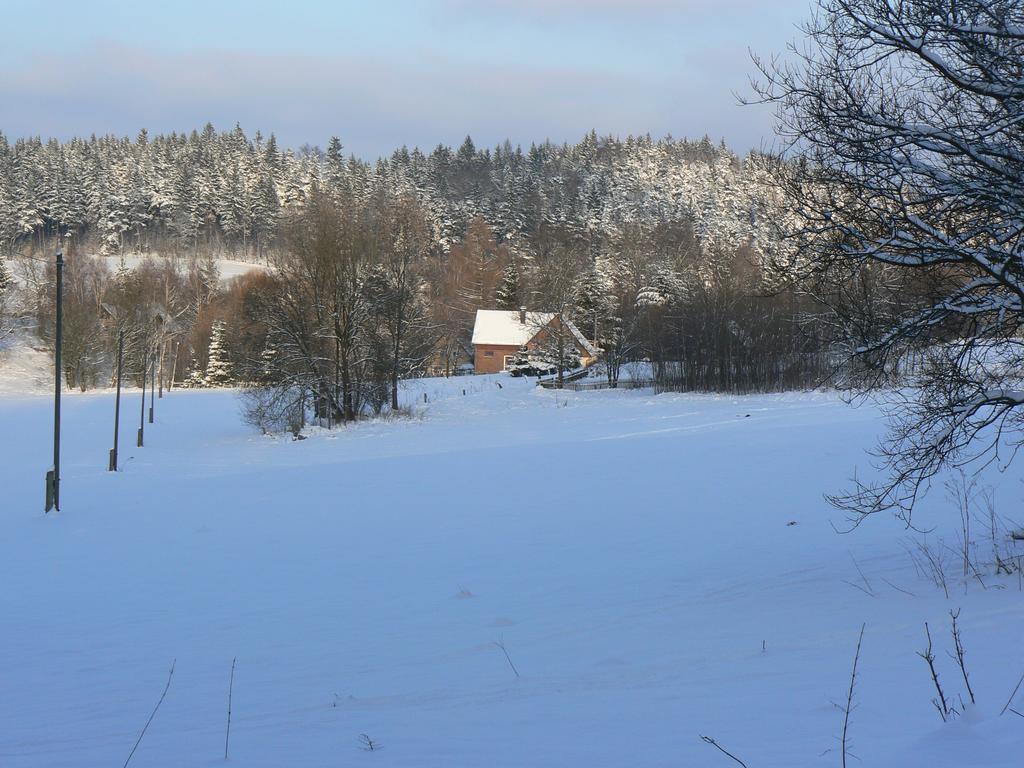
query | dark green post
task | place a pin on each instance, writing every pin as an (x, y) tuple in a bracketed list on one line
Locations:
[(142, 406), (53, 476), (152, 385), (112, 467)]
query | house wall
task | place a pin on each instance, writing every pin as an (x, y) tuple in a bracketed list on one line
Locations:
[(490, 358)]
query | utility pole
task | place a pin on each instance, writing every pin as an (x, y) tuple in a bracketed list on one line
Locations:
[(112, 467), (152, 385), (53, 476), (142, 407)]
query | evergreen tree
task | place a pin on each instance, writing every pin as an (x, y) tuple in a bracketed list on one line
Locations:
[(6, 284), (508, 293), (195, 379), (218, 365), (6, 278), (269, 365)]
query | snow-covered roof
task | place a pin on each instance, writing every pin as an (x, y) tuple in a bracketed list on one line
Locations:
[(583, 342), (495, 326)]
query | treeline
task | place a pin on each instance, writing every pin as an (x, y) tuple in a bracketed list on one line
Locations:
[(218, 193)]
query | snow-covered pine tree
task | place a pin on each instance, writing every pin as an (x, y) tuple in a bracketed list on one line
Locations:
[(6, 284), (508, 291), (122, 276), (218, 365), (195, 379), (6, 278), (591, 303), (268, 371)]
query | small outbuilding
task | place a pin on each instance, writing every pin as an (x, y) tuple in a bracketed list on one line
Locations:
[(498, 336)]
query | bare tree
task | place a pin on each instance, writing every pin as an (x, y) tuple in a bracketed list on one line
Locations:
[(401, 243), (319, 311), (85, 281), (559, 262), (903, 159)]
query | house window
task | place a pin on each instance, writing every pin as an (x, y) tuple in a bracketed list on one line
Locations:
[(508, 361), (489, 353)]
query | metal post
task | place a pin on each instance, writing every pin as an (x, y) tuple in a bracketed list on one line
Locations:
[(53, 476), (142, 406), (112, 467), (152, 385), (160, 373)]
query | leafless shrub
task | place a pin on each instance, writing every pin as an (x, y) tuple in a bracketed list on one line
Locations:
[(274, 409), (930, 563), (962, 490), (942, 702)]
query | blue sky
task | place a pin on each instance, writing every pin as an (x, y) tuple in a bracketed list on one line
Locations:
[(384, 74)]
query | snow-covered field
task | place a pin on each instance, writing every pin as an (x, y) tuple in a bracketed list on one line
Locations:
[(226, 268), (657, 567)]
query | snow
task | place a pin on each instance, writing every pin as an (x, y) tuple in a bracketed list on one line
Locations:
[(632, 552)]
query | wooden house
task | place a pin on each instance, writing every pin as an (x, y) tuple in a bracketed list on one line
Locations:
[(498, 336)]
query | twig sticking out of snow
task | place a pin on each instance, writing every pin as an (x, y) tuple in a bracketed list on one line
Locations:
[(945, 710), (958, 644), (501, 644), (153, 714), (868, 588), (716, 745), (898, 589), (231, 687), (849, 698), (1012, 695), (367, 743)]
